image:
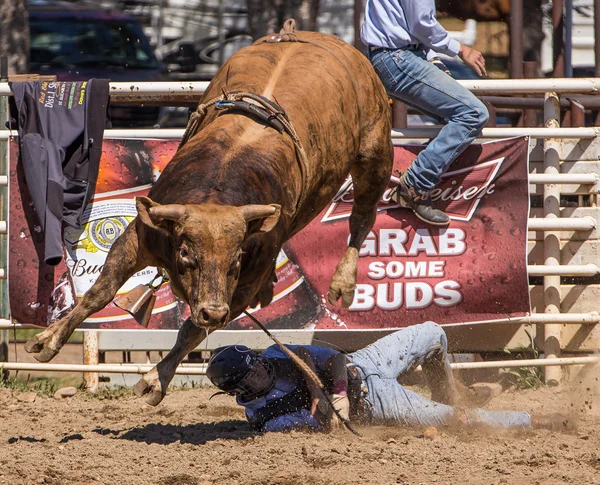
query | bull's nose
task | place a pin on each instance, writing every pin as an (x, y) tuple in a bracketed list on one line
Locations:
[(215, 315)]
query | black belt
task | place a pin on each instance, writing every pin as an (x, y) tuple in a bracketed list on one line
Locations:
[(374, 50), (411, 47)]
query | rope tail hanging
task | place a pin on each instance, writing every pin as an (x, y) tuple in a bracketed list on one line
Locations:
[(309, 374)]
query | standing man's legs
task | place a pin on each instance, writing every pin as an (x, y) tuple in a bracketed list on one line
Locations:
[(408, 77)]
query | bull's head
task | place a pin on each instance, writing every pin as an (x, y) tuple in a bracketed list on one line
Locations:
[(206, 250)]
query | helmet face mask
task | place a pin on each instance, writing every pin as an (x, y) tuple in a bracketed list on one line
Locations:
[(258, 380), (236, 369)]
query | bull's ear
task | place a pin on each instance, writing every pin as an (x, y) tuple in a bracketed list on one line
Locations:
[(269, 214), (146, 208)]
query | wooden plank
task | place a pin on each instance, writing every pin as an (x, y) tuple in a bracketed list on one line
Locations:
[(581, 338), (536, 150), (574, 298), (572, 252), (580, 298), (31, 77), (488, 337), (572, 149)]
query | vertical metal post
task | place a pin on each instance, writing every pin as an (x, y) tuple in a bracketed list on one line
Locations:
[(91, 356), (558, 38), (530, 115), (399, 114), (597, 38), (4, 306), (492, 112), (159, 26), (597, 47), (568, 38), (577, 112), (221, 33), (358, 11), (516, 39), (552, 296)]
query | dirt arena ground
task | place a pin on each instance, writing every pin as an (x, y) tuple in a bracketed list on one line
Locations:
[(189, 440)]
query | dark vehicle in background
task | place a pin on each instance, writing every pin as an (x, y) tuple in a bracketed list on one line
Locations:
[(79, 41)]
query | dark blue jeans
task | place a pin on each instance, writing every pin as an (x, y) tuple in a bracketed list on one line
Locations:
[(410, 78)]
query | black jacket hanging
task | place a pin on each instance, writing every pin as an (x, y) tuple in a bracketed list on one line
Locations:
[(61, 125)]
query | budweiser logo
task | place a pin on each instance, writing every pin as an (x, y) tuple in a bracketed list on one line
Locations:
[(458, 194)]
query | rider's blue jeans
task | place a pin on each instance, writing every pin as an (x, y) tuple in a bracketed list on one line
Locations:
[(382, 362), (409, 77)]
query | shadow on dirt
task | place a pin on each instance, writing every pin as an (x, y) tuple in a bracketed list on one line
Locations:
[(195, 434)]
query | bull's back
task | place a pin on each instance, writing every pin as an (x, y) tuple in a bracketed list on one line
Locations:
[(334, 100), (307, 78)]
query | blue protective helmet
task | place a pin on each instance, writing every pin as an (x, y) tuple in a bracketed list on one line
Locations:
[(236, 369)]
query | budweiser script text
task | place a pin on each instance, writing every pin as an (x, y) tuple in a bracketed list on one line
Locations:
[(454, 193)]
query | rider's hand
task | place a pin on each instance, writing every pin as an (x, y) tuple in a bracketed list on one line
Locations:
[(473, 58), (342, 405)]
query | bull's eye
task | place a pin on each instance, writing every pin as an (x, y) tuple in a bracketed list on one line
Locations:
[(235, 269), (183, 252)]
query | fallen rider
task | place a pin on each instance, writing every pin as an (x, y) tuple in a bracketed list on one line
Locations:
[(363, 386)]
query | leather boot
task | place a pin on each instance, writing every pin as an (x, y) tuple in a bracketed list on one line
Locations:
[(438, 372), (420, 204), (470, 397)]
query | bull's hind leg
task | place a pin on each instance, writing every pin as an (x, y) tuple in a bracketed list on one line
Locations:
[(121, 263), (370, 176), (154, 383)]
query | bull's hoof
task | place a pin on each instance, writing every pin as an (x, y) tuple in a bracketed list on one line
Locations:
[(153, 393), (346, 294), (42, 351), (46, 355), (33, 345)]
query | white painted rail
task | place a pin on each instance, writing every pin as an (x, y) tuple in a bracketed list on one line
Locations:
[(477, 86), (589, 269), (200, 369), (536, 224), (562, 224), (398, 135), (590, 318), (564, 178)]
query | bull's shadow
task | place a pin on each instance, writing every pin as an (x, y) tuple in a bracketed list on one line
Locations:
[(195, 434)]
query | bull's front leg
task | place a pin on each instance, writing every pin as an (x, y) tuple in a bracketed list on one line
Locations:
[(155, 382), (122, 262), (370, 177)]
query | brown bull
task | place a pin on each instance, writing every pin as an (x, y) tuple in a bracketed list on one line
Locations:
[(238, 189)]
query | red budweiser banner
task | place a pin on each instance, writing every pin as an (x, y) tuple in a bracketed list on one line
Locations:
[(474, 270)]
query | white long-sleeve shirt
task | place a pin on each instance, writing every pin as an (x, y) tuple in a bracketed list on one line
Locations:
[(396, 24)]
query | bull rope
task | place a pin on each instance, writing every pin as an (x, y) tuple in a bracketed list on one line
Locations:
[(198, 116), (309, 374), (286, 34)]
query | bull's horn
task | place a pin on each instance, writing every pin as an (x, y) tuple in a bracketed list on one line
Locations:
[(256, 211), (173, 212)]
